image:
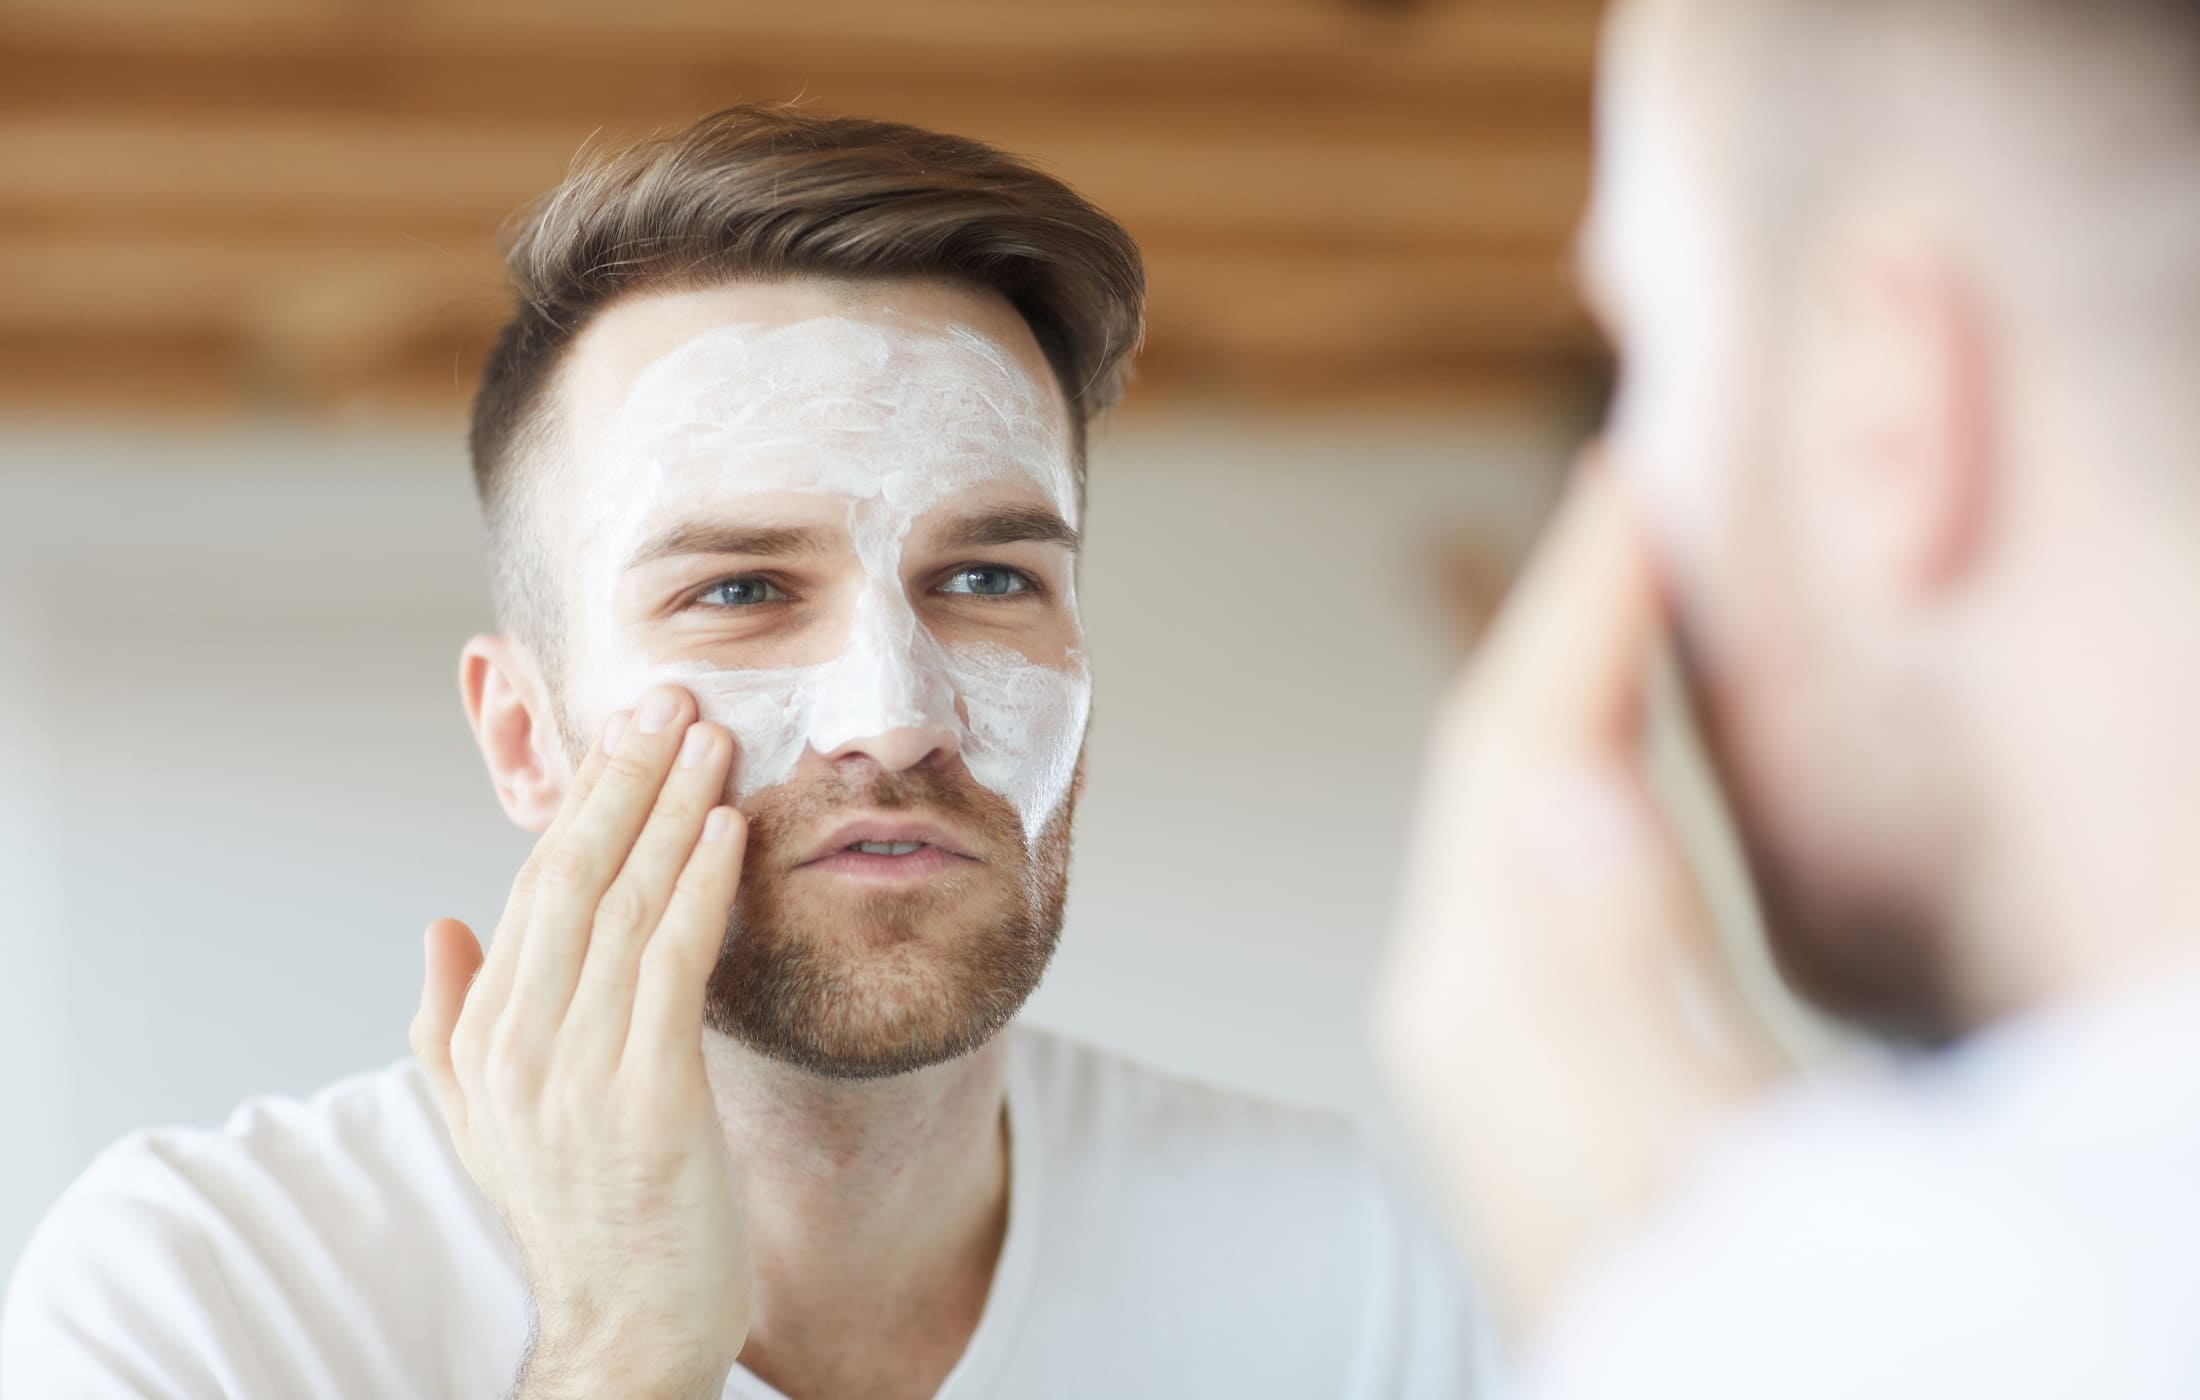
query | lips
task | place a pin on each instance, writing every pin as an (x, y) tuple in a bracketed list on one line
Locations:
[(889, 838)]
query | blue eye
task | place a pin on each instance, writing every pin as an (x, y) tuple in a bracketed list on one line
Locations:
[(746, 592), (986, 581)]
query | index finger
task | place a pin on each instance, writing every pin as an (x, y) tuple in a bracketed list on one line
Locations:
[(588, 775), (673, 988), (1572, 646), (494, 981)]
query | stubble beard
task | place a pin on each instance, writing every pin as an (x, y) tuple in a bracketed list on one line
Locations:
[(1871, 956), (860, 985)]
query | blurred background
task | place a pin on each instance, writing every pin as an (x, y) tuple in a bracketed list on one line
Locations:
[(248, 266)]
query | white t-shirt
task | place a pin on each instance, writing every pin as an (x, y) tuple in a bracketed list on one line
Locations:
[(2017, 1219), (1163, 1240)]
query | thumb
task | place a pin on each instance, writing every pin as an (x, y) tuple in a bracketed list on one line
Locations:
[(453, 956), (1567, 655)]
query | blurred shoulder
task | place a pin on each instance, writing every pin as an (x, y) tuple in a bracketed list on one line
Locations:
[(2013, 1217)]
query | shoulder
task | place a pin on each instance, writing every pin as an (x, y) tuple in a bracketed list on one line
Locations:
[(114, 1278), (1169, 1144), (182, 1251), (356, 1148), (1240, 1211), (352, 1139), (1853, 1239), (1097, 1106)]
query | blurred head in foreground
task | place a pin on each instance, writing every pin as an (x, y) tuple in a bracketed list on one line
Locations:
[(791, 413), (1907, 294)]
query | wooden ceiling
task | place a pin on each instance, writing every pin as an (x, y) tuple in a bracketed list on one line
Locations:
[(291, 204)]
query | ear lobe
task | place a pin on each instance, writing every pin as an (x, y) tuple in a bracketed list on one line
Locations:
[(1914, 439), (515, 726)]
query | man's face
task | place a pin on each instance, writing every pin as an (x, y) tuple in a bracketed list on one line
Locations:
[(845, 518), (1715, 412)]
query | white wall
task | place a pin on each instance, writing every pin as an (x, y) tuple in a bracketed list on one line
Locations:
[(235, 783)]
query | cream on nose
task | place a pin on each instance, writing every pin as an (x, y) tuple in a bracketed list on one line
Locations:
[(888, 694)]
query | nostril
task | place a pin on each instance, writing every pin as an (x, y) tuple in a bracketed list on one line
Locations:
[(901, 749)]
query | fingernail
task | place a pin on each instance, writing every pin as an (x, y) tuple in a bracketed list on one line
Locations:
[(695, 746), (714, 825), (613, 731), (657, 711)]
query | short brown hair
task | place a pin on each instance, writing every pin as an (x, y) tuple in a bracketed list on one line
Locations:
[(760, 192)]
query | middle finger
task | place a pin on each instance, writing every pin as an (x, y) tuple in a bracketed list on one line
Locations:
[(603, 1003), (579, 865)]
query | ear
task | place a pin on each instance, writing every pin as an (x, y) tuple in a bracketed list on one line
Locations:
[(1907, 456), (513, 721)]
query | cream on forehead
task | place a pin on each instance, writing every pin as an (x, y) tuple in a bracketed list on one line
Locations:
[(845, 407), (894, 420)]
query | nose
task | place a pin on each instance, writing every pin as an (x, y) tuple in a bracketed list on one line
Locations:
[(912, 746), (886, 698)]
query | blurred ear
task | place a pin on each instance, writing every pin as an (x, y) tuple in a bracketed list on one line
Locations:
[(509, 707), (1907, 456)]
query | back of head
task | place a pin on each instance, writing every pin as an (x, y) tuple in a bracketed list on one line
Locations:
[(2064, 133), (1909, 292)]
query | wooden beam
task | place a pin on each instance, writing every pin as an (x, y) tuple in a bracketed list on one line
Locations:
[(1301, 183), (291, 203), (168, 376), (573, 81), (1437, 44), (330, 299)]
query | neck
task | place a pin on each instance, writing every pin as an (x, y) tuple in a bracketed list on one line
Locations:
[(2085, 881), (875, 1209)]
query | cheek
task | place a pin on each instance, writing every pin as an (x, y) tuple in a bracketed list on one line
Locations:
[(1024, 727), (591, 684)]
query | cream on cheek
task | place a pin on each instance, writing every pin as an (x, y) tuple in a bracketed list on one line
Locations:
[(887, 423)]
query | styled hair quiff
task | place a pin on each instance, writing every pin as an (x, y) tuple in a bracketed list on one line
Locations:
[(766, 192)]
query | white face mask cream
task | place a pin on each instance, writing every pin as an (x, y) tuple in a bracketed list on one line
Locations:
[(886, 422)]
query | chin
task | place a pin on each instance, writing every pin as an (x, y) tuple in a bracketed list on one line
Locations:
[(1849, 943), (871, 1012), (1869, 964), (1844, 938), (855, 983)]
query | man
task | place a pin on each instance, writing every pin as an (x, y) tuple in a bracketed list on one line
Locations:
[(782, 456), (1905, 295)]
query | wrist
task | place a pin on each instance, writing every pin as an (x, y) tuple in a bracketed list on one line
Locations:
[(563, 1366)]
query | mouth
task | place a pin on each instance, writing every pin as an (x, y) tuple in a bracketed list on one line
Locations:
[(888, 850)]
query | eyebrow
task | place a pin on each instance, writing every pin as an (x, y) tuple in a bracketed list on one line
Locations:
[(1010, 525), (717, 537)]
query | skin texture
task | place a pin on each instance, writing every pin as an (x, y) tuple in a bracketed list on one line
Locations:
[(1927, 555), (825, 1207)]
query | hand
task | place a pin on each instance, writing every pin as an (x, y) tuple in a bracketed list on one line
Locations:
[(570, 1071), (1530, 1015)]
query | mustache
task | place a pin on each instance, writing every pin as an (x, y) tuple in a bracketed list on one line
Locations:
[(799, 808)]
